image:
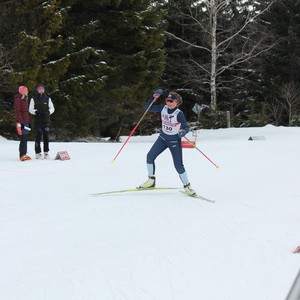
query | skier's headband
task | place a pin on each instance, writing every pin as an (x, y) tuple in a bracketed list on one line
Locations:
[(171, 98)]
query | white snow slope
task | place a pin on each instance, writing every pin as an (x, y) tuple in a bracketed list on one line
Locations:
[(58, 242)]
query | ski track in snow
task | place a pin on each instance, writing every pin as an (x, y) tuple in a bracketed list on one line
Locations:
[(57, 241)]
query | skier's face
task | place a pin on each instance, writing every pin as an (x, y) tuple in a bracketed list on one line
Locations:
[(41, 90), (171, 103)]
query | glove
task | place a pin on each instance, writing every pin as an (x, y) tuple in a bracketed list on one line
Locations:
[(159, 92), (182, 133), (19, 128)]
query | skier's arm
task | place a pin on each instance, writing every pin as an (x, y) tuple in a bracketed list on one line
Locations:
[(184, 125), (185, 128)]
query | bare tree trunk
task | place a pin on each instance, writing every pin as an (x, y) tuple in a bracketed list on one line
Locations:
[(275, 108), (213, 89), (290, 93), (249, 47)]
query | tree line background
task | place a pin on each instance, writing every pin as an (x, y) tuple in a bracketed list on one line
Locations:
[(100, 60)]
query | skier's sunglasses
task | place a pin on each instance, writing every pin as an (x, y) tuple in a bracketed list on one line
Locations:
[(170, 100)]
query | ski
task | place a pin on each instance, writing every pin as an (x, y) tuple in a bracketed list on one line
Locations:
[(134, 190), (198, 197)]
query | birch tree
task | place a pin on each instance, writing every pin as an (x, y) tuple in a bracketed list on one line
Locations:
[(275, 109), (231, 38), (290, 94)]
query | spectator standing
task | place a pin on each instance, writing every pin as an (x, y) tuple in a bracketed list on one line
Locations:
[(22, 120), (41, 107)]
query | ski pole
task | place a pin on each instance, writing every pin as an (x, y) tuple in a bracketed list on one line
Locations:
[(202, 152), (135, 127)]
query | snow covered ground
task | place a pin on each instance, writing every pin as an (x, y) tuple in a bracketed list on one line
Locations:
[(58, 242)]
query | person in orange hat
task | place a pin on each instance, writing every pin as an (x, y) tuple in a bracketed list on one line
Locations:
[(22, 120)]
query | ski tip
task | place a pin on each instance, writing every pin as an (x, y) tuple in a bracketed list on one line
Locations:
[(296, 250), (198, 197)]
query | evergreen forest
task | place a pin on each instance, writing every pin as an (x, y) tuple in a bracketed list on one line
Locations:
[(235, 62)]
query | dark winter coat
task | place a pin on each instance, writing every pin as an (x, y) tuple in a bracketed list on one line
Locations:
[(21, 109), (41, 104)]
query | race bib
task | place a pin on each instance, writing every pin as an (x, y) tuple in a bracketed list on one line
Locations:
[(170, 124)]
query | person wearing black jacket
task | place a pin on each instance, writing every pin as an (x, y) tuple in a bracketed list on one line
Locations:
[(41, 107)]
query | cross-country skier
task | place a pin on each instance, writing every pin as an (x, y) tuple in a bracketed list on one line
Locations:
[(174, 127)]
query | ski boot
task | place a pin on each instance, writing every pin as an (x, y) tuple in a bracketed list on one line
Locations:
[(188, 189), (150, 183)]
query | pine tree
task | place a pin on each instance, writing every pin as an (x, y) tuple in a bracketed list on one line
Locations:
[(182, 72), (129, 32), (280, 66), (282, 63), (30, 34), (34, 42), (116, 56), (98, 59), (80, 88)]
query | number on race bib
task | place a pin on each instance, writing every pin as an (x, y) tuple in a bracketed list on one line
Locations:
[(168, 128)]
